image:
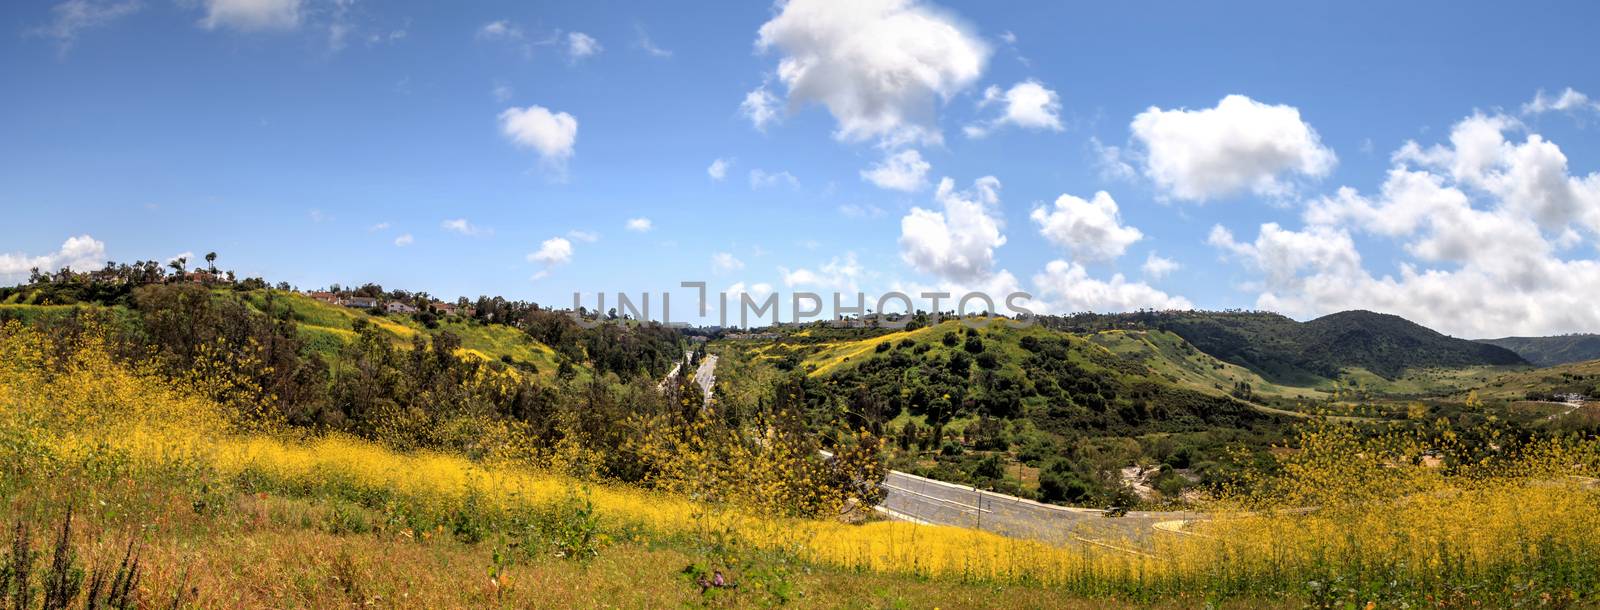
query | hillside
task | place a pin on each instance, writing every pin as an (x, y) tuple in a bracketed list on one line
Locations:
[(1060, 381), (327, 328), (1306, 354), (1551, 351), (1540, 384)]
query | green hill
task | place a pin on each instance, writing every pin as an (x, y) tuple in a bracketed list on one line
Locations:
[(1307, 354), (1060, 381), (1551, 351), (327, 328)]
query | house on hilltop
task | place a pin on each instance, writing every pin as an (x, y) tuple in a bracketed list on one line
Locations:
[(398, 307), (361, 302)]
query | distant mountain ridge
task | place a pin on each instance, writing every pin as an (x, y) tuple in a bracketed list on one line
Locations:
[(1552, 351), (1298, 353)]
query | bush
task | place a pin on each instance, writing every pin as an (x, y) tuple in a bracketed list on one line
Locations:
[(1060, 483)]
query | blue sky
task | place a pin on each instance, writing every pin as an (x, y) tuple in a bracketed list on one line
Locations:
[(322, 141)]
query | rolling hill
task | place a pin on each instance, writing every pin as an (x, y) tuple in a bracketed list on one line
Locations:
[(327, 328), (1306, 354), (1059, 380), (1551, 351)]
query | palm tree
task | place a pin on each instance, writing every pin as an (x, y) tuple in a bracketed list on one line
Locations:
[(211, 262), (178, 265)]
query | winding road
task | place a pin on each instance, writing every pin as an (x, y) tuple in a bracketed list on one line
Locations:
[(706, 375)]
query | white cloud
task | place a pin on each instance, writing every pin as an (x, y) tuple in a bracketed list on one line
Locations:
[(723, 262), (857, 210), (252, 15), (500, 30), (74, 16), (382, 226), (1065, 287), (587, 237), (1157, 267), (403, 240), (1028, 104), (643, 41), (879, 66), (760, 107), (552, 134), (1092, 229), (464, 227), (581, 45), (1570, 100), (901, 171), (81, 253), (554, 251), (502, 92), (839, 273), (186, 255), (1108, 161), (719, 169), (958, 242), (639, 225), (1483, 220), (760, 178), (1240, 145)]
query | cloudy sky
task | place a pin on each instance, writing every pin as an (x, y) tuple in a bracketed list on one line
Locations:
[(1437, 160)]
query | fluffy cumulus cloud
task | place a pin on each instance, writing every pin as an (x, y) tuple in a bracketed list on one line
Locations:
[(80, 253), (719, 169), (1239, 146), (901, 171), (1092, 230), (957, 242), (1027, 104), (843, 274), (1156, 266), (880, 67), (404, 240), (1066, 287), (639, 225), (1487, 221), (252, 15), (551, 134), (553, 253)]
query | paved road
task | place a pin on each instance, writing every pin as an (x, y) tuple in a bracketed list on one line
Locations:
[(706, 375), (923, 500)]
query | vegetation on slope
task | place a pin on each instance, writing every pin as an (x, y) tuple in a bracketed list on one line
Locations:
[(1306, 353), (159, 460), (1022, 409), (1552, 351)]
